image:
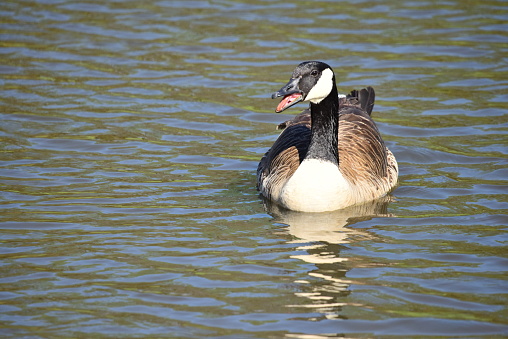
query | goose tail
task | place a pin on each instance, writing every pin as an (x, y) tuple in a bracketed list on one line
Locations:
[(364, 98)]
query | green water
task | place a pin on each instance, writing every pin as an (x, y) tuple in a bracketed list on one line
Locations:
[(130, 133)]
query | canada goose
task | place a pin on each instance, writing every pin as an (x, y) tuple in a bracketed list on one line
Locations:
[(329, 157)]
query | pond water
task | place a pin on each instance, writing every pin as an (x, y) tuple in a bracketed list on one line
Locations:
[(130, 135)]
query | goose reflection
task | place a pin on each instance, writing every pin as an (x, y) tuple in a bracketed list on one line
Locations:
[(323, 236)]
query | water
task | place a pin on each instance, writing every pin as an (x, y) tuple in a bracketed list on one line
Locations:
[(130, 135)]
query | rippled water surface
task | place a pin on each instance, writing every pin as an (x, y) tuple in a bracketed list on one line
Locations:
[(130, 135)]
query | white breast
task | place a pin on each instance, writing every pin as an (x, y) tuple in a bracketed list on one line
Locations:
[(316, 186)]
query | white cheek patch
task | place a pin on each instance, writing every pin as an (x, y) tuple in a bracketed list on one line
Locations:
[(322, 88)]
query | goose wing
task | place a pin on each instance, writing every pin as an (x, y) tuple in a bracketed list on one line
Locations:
[(363, 157), (284, 157)]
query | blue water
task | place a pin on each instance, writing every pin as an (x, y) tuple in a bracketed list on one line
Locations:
[(130, 135)]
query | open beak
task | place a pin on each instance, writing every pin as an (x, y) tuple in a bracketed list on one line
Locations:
[(291, 95)]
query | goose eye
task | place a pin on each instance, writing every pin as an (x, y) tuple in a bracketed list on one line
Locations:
[(314, 73)]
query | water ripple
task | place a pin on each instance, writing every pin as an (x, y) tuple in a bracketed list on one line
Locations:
[(130, 136)]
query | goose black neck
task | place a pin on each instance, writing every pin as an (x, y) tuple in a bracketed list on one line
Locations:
[(324, 127)]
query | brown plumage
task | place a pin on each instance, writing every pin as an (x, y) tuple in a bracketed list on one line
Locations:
[(364, 159)]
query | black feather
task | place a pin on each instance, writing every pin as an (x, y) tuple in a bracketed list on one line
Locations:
[(366, 98)]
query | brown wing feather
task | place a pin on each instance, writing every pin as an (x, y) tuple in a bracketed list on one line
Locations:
[(362, 153), (363, 156), (282, 160)]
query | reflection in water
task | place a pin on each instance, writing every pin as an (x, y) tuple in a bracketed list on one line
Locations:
[(328, 227), (323, 236)]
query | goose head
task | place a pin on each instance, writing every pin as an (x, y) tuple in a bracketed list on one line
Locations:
[(311, 81)]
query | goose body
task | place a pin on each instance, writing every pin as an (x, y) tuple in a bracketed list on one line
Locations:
[(330, 156)]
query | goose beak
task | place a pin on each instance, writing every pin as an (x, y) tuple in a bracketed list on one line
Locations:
[(291, 95)]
